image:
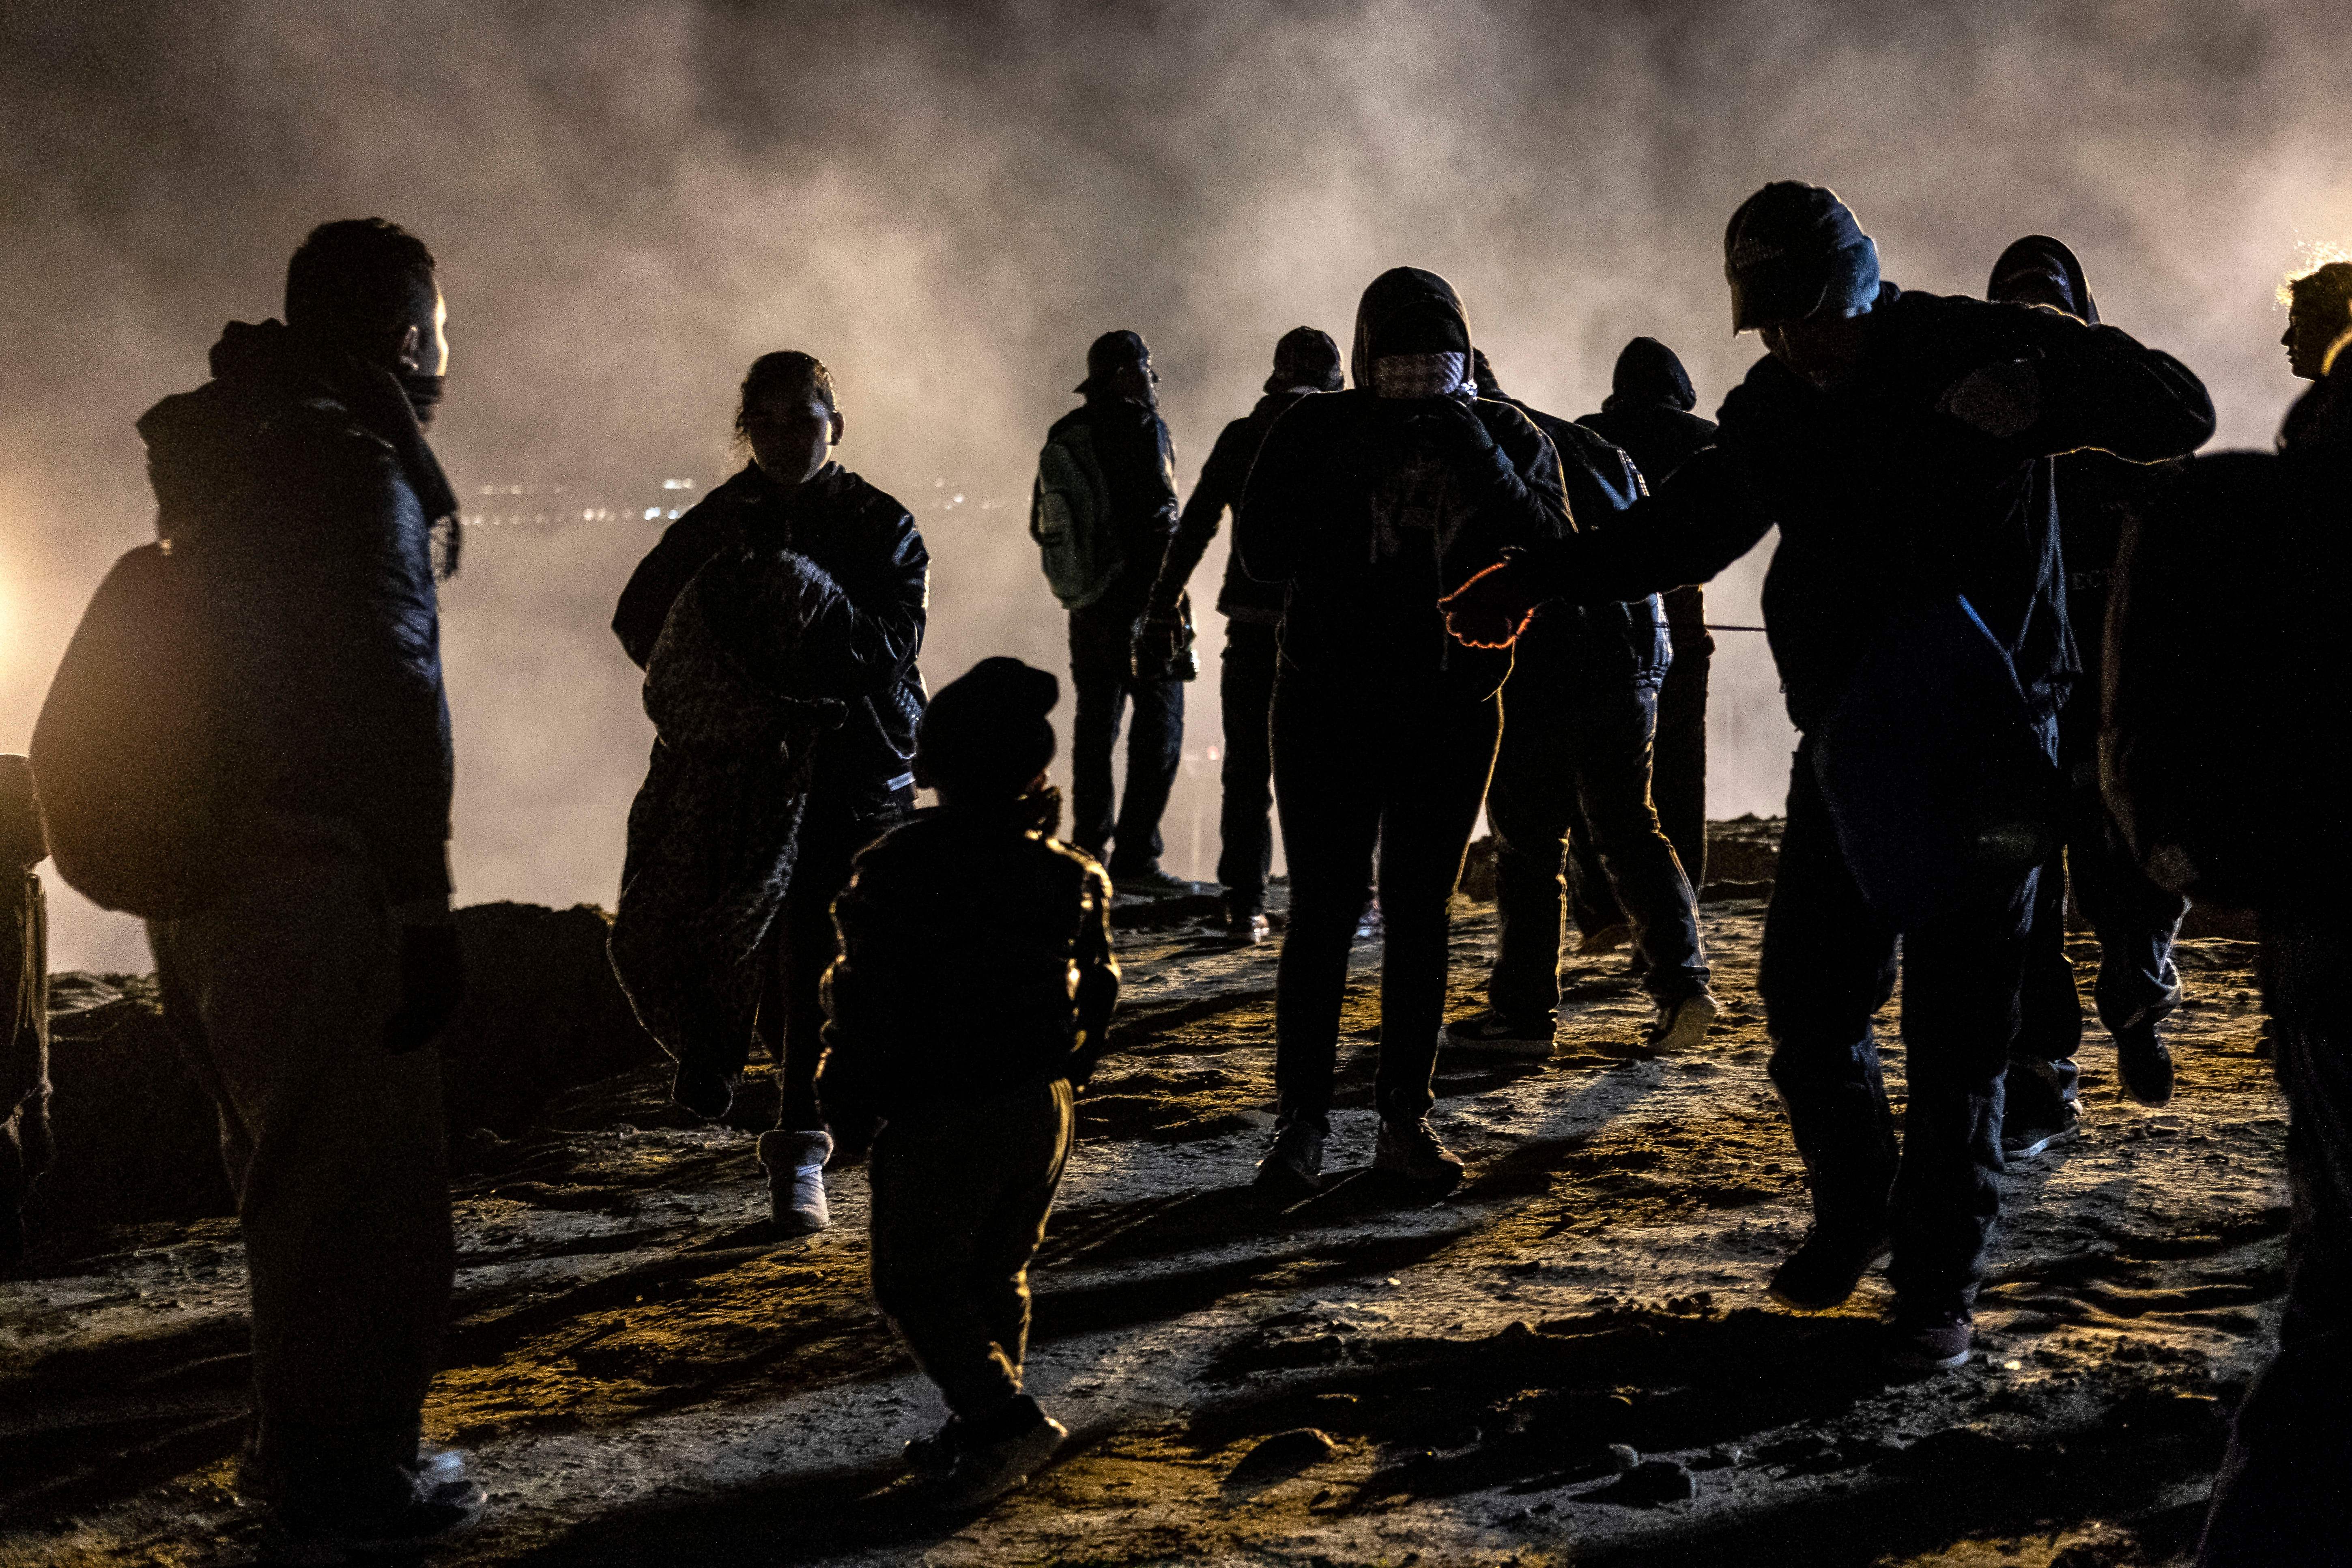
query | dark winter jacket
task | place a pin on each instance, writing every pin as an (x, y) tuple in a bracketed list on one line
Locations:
[(735, 686), (299, 490), (975, 958), (1595, 642), (1648, 416), (1222, 478), (1138, 468), (1886, 502), (1370, 510), (26, 1142), (867, 545)]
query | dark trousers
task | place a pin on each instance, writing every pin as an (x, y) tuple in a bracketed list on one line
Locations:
[(1245, 822), (841, 819), (1102, 653), (2284, 1491), (2134, 920), (1356, 768), (1829, 963), (1677, 789), (1579, 750), (960, 1193)]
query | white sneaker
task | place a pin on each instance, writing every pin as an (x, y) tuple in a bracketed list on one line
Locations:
[(795, 1164), (1682, 1027)]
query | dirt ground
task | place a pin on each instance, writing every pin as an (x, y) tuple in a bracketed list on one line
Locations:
[(645, 1376)]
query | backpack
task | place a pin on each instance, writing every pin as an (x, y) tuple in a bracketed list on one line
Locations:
[(2220, 748), (1069, 517), (122, 755)]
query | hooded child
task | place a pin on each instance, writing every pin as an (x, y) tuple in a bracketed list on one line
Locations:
[(966, 1008), (1366, 506), (1916, 612)]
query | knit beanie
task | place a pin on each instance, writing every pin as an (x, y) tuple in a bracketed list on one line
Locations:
[(1794, 250)]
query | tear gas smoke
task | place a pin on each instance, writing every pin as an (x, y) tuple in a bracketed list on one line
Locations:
[(631, 201)]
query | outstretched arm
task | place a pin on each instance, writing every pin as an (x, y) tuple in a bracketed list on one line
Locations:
[(1220, 487)]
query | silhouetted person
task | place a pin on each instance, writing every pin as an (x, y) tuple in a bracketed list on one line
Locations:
[(1576, 719), (794, 495), (2226, 625), (1918, 621), (2095, 495), (1367, 504), (25, 1144), (1117, 438), (2318, 312), (297, 488), (966, 1008), (1306, 362), (1647, 415)]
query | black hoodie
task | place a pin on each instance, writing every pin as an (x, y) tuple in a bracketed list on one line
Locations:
[(297, 485), (1648, 415), (1370, 510)]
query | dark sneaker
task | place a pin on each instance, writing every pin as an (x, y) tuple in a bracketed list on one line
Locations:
[(1151, 882), (986, 1467), (1681, 1026), (1929, 1342), (935, 1454), (1247, 930), (1413, 1152), (1491, 1033), (2022, 1138), (1292, 1171), (328, 1531), (706, 1093), (1826, 1267), (2143, 1064)]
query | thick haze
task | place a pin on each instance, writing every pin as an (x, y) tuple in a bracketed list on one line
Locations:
[(946, 202)]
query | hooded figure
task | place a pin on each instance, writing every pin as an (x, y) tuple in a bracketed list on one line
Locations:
[(1368, 506), (713, 830), (1648, 414)]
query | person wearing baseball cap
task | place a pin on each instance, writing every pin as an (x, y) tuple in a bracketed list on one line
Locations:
[(1918, 615)]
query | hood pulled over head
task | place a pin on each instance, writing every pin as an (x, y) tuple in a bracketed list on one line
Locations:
[(1305, 357), (1649, 374), (2038, 253), (1413, 321)]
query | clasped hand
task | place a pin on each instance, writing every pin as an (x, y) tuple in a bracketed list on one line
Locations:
[(1493, 607)]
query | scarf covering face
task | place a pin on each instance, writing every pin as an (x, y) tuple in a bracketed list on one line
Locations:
[(1442, 375)]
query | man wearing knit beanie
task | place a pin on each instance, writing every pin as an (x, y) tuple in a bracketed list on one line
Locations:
[(1918, 618)]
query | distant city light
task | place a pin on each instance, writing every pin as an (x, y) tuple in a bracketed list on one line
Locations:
[(652, 512), (677, 484)]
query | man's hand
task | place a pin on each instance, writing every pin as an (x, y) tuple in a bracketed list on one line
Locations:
[(432, 984), (1493, 607), (2000, 400), (1162, 641)]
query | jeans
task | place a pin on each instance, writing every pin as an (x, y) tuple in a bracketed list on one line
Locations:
[(1575, 750), (2281, 1494), (1102, 650), (277, 994), (960, 1193), (839, 821), (1246, 821), (1829, 964), (1678, 769), (1356, 768)]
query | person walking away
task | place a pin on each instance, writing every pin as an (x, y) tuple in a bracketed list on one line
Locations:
[(1578, 715), (1105, 509), (1367, 504), (966, 1008), (795, 494), (1918, 620), (1306, 362), (2224, 625), (296, 490), (2094, 496), (1647, 415)]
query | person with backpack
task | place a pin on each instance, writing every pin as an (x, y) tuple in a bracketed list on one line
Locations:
[(1367, 505), (1578, 713), (1917, 615), (2094, 496), (966, 1011), (2230, 795), (309, 956), (1306, 362), (794, 497), (1103, 511)]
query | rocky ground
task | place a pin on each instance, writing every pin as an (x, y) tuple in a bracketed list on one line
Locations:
[(646, 1376)]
